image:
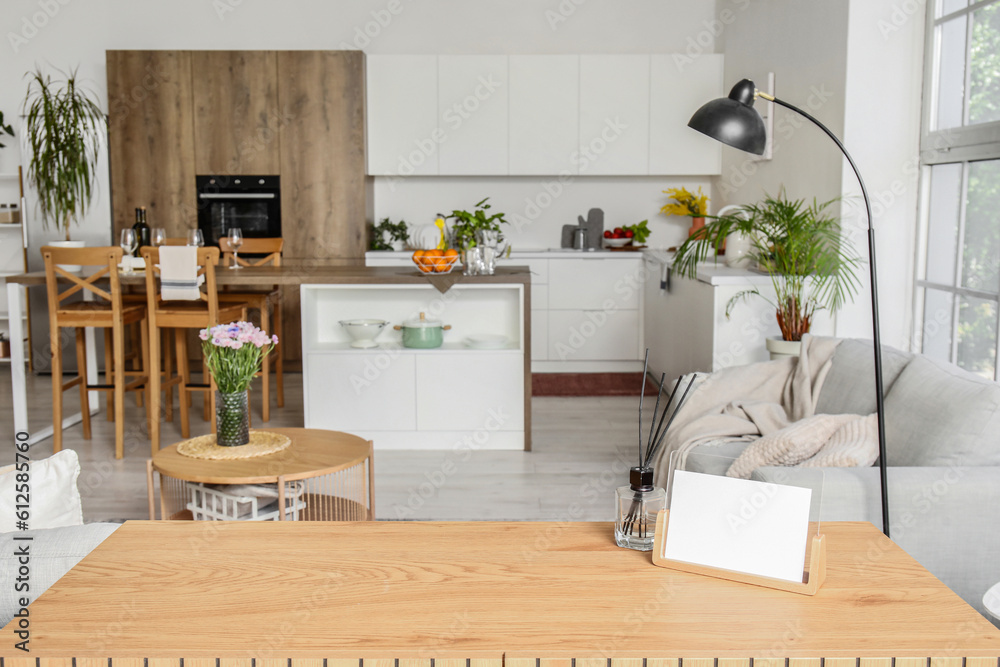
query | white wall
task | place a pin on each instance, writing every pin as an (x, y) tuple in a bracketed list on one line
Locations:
[(804, 44), (855, 65), (882, 132), (77, 33), (538, 208)]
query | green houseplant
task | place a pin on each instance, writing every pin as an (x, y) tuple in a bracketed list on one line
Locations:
[(463, 230), (797, 245), (64, 128), (389, 235)]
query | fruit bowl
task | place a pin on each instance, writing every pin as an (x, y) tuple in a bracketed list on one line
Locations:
[(617, 243), (363, 332), (435, 261)]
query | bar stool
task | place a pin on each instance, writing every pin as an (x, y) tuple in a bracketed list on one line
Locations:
[(109, 313), (267, 301), (179, 315)]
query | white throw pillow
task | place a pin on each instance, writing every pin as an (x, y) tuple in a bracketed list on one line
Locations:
[(54, 498)]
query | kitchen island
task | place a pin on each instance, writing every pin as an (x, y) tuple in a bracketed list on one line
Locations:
[(464, 395)]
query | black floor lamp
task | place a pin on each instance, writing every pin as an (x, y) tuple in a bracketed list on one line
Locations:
[(733, 121)]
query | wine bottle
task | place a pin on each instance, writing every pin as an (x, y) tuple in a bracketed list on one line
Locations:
[(142, 231)]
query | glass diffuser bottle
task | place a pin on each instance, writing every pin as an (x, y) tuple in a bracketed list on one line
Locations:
[(636, 508)]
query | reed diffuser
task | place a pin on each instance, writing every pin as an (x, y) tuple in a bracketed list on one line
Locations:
[(638, 503)]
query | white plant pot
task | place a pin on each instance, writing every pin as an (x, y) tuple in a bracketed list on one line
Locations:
[(71, 268), (781, 348)]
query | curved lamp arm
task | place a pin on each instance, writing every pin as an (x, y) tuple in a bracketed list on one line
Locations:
[(879, 399)]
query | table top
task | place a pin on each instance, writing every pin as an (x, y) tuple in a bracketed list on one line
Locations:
[(414, 591), (313, 452), (325, 275)]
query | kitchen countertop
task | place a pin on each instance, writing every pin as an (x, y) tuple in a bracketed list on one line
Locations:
[(710, 272), (323, 275)]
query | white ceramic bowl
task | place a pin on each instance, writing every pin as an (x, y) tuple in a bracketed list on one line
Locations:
[(616, 243), (486, 341), (363, 332)]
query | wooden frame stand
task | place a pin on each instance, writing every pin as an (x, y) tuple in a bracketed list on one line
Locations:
[(812, 578)]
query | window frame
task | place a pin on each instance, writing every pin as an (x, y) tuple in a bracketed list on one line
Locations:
[(962, 145)]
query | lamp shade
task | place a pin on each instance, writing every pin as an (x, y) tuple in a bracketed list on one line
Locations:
[(733, 120)]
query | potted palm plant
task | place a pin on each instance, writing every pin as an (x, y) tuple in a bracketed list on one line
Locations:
[(65, 128), (797, 245)]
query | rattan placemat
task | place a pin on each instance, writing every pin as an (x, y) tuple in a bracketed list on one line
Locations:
[(261, 443)]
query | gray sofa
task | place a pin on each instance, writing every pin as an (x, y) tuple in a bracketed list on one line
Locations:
[(943, 452)]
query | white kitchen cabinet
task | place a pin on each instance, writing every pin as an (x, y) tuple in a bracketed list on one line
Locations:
[(544, 114), (402, 115), (594, 335), (594, 283), (614, 115), (539, 115), (678, 88), (539, 335), (351, 392), (686, 328), (476, 390), (404, 398), (472, 114)]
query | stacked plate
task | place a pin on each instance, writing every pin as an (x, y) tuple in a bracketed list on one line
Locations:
[(486, 341)]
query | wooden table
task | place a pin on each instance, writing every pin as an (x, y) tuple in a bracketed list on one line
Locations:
[(300, 272), (313, 454), (497, 594)]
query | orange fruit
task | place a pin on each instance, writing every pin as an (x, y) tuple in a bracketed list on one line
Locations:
[(425, 268), (451, 252)]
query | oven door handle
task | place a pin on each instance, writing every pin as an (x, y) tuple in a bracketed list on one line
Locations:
[(236, 195)]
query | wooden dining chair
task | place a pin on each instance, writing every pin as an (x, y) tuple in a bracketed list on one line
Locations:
[(179, 316), (108, 313), (267, 301)]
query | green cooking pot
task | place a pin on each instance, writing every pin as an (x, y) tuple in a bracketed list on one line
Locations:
[(422, 334)]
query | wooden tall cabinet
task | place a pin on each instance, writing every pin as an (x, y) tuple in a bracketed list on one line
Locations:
[(237, 122), (152, 138), (323, 196), (297, 114)]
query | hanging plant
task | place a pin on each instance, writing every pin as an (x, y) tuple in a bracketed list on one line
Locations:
[(64, 128)]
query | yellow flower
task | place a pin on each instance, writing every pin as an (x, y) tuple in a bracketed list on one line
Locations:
[(685, 203)]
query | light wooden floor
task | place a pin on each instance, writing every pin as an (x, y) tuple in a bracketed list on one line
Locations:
[(582, 450)]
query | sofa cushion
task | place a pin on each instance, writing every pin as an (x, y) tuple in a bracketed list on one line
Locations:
[(53, 553), (849, 387), (55, 500), (940, 415)]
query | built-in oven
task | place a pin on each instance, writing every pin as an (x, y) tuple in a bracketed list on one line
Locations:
[(250, 203)]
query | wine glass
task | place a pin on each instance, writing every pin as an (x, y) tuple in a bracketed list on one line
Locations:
[(129, 243), (235, 238), (158, 236), (195, 238)]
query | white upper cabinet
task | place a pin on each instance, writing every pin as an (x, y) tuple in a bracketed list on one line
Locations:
[(472, 113), (678, 87), (402, 115), (527, 115), (544, 114), (614, 115)]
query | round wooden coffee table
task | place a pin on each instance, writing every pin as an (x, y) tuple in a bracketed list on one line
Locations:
[(321, 476)]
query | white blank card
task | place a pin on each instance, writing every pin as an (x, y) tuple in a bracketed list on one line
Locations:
[(738, 524)]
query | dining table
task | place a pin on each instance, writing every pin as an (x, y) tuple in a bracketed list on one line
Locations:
[(301, 272)]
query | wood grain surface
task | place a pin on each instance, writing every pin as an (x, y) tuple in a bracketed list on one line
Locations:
[(324, 190), (236, 117), (151, 139), (292, 593), (313, 452)]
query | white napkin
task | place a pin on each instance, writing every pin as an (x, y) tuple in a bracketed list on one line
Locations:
[(179, 273)]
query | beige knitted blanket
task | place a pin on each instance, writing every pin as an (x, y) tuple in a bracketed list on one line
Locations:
[(743, 402), (818, 441)]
